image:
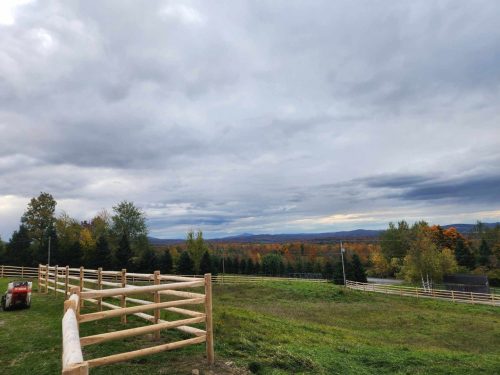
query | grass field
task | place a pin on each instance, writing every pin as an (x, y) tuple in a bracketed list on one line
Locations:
[(282, 328)]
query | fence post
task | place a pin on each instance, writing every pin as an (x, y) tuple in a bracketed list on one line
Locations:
[(416, 291), (1, 270), (47, 279), (55, 279), (39, 276), (82, 274), (99, 286), (453, 296), (22, 272), (123, 302), (472, 298), (157, 299), (208, 314), (66, 282)]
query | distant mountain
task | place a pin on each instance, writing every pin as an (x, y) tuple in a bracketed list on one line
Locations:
[(467, 228), (306, 237)]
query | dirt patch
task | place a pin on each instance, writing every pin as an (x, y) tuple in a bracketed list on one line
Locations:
[(193, 366)]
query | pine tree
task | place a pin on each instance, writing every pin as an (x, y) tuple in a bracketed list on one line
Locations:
[(123, 254), (484, 253), (185, 266), (102, 253), (257, 268), (463, 255), (358, 270), (328, 270), (75, 254), (148, 261), (250, 267), (205, 263), (166, 262), (18, 248)]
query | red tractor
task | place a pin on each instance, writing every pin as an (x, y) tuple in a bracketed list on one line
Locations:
[(18, 294)]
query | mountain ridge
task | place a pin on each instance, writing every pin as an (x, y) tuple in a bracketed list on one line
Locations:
[(364, 234)]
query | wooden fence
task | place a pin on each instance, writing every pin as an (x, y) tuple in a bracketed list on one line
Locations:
[(448, 295), (74, 284), (19, 271), (32, 272)]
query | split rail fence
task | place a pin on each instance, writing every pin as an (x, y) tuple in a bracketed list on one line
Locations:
[(448, 295), (80, 285)]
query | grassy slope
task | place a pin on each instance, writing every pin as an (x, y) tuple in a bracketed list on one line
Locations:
[(280, 328)]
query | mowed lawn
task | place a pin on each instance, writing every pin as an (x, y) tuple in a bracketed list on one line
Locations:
[(281, 328)]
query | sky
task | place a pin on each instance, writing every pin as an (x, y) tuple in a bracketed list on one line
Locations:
[(252, 116)]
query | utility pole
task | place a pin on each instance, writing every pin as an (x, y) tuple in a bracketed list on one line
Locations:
[(48, 260), (342, 251), (223, 266)]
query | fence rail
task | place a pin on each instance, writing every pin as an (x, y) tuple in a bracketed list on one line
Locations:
[(80, 285), (441, 294)]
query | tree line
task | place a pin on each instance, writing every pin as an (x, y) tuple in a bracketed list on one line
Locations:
[(119, 240), (420, 252)]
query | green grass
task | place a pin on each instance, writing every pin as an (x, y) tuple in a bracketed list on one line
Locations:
[(282, 328)]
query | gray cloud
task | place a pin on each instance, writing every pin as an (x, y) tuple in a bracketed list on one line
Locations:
[(246, 116)]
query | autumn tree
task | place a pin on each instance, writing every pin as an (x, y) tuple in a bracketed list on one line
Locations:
[(380, 265), (425, 261)]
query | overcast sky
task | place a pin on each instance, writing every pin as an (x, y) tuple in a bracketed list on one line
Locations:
[(261, 117)]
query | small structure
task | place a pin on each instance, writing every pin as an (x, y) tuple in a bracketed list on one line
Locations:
[(467, 283)]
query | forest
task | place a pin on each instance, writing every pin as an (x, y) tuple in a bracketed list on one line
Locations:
[(118, 240)]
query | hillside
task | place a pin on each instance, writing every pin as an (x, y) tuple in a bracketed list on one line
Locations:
[(282, 328)]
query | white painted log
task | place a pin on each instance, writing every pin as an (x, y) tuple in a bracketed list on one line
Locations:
[(72, 351)]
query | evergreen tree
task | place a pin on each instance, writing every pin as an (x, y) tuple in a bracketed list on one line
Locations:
[(228, 265), (205, 263), (257, 268), (250, 267), (484, 253), (75, 255), (215, 264), (236, 265), (272, 264), (358, 270), (102, 253), (338, 275), (185, 266), (148, 261), (18, 248), (166, 262), (3, 253), (243, 266), (123, 254), (463, 255), (328, 270), (289, 268)]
